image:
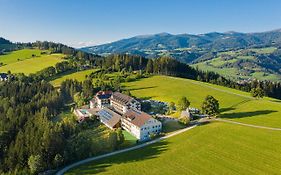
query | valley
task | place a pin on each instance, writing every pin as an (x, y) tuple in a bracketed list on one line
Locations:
[(238, 56)]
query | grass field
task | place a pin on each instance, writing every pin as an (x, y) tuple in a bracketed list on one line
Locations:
[(215, 148), (80, 76), (20, 55), (129, 139), (235, 105), (229, 69), (233, 72), (32, 65)]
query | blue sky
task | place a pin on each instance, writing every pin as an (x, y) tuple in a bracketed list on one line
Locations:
[(90, 22)]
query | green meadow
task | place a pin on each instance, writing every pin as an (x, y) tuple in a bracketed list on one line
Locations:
[(222, 67), (20, 55), (80, 76), (235, 105), (212, 148), (25, 63)]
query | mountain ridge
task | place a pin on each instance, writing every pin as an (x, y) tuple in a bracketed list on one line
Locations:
[(192, 49)]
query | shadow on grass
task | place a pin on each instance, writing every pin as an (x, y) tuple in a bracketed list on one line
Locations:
[(276, 101), (233, 107), (204, 123), (171, 126), (246, 114), (141, 88), (149, 152), (62, 75), (147, 98)]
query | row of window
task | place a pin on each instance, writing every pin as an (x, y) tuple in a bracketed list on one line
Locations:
[(147, 128)]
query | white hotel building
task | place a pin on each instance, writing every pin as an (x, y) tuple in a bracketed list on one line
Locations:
[(140, 124), (121, 103)]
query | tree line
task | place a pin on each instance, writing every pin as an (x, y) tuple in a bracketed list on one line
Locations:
[(32, 139), (172, 67), (79, 60)]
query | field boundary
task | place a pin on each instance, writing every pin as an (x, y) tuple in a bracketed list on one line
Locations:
[(208, 86), (65, 169), (249, 125)]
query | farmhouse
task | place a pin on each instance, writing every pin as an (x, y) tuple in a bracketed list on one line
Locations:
[(140, 124), (121, 103), (110, 118), (101, 99)]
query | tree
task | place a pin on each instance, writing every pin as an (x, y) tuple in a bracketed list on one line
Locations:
[(172, 106), (88, 88), (120, 136), (184, 120), (145, 106), (183, 104), (35, 164), (257, 92), (79, 99), (210, 106), (58, 160), (149, 66)]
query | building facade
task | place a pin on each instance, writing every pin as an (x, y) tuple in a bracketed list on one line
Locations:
[(101, 99), (122, 103), (140, 124)]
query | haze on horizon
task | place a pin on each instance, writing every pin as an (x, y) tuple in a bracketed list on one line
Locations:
[(92, 22)]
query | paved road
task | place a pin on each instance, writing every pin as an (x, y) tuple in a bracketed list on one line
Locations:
[(62, 171), (249, 125)]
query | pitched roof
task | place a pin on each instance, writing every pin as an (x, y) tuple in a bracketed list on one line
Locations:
[(104, 94), (137, 118), (109, 117), (121, 98)]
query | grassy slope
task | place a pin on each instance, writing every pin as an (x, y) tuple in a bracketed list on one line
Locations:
[(241, 107), (32, 65), (214, 65), (19, 54), (80, 76), (216, 148)]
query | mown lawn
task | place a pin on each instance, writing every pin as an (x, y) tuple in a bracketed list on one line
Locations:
[(214, 148), (130, 140), (80, 76), (32, 65), (235, 105)]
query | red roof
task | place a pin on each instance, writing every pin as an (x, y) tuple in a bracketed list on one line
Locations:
[(137, 118)]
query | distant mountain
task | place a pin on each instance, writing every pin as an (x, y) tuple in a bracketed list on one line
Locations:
[(193, 49), (167, 42)]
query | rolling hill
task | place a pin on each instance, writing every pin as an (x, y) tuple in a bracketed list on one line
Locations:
[(213, 148), (193, 49), (259, 63), (28, 61)]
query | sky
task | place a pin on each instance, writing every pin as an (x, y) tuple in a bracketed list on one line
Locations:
[(81, 23)]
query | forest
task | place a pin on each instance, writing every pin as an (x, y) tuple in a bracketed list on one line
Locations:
[(32, 141)]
